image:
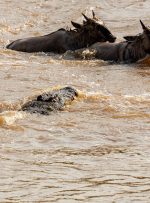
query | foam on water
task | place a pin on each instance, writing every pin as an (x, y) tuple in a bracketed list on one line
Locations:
[(9, 117)]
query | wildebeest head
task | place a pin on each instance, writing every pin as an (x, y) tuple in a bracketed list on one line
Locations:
[(95, 28), (143, 38)]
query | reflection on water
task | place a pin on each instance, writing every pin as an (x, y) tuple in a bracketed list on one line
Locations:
[(97, 149)]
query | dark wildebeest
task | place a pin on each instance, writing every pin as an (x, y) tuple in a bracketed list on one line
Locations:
[(90, 32), (129, 51), (50, 101)]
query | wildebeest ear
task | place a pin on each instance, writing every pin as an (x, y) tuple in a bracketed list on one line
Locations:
[(76, 25), (130, 38)]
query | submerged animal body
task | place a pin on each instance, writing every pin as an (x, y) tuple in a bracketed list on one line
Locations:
[(133, 49), (50, 101), (84, 35)]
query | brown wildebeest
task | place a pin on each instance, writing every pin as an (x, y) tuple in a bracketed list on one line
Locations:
[(129, 51), (50, 101), (91, 31)]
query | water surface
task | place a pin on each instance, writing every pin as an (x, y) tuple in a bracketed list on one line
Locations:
[(97, 149)]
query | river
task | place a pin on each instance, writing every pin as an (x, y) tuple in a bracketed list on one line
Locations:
[(98, 149)]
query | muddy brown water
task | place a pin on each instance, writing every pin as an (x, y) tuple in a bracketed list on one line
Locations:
[(97, 149)]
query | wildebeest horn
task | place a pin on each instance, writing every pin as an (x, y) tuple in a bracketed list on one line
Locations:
[(93, 14), (85, 16), (143, 26), (76, 25)]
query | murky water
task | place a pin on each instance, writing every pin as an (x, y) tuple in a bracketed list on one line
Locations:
[(97, 149)]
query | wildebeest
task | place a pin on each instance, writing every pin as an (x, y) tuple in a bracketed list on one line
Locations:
[(133, 49), (50, 101), (84, 35)]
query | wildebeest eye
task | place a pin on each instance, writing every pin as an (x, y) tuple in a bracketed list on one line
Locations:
[(148, 35), (104, 30)]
